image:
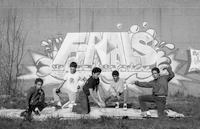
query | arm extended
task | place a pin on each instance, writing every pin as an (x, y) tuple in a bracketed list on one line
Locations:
[(93, 97), (171, 73), (144, 84)]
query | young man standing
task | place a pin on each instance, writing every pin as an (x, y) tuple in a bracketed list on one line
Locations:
[(69, 86), (118, 90), (35, 100), (159, 92)]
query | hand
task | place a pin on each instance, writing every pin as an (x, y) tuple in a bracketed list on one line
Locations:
[(58, 90), (84, 79), (135, 82), (164, 66)]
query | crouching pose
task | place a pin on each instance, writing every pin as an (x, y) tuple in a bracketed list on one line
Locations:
[(159, 92), (35, 100), (118, 91), (82, 102)]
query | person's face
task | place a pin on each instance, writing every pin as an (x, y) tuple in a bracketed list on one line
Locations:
[(95, 75), (155, 74), (38, 85), (72, 70), (115, 78)]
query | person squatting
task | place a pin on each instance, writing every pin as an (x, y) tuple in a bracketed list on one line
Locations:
[(118, 91), (35, 100)]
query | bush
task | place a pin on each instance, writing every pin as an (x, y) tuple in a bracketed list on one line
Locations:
[(13, 102)]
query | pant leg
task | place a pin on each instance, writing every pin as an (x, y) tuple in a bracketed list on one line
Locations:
[(110, 100), (55, 95), (72, 95), (143, 99), (160, 103), (30, 109), (125, 95), (82, 104), (27, 114), (41, 106)]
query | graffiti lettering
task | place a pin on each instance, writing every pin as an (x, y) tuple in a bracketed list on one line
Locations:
[(58, 67)]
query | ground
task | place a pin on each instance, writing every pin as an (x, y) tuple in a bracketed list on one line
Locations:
[(189, 106)]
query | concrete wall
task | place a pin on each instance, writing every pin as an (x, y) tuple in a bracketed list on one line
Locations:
[(175, 21)]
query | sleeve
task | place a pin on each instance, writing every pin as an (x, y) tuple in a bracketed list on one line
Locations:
[(29, 95), (89, 83), (42, 96), (111, 85), (171, 73), (65, 77), (145, 84), (125, 86), (96, 85)]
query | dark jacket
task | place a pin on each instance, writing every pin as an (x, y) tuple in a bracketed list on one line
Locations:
[(160, 85), (91, 83), (35, 96)]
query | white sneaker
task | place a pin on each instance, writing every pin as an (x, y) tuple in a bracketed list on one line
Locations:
[(146, 114), (125, 107)]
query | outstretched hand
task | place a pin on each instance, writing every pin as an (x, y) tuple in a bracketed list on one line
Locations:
[(58, 90), (165, 66)]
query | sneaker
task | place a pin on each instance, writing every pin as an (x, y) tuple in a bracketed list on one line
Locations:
[(23, 114), (36, 111), (27, 116), (146, 114), (117, 105), (125, 107)]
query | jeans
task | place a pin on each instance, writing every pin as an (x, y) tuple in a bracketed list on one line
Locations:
[(123, 97), (159, 101), (39, 105)]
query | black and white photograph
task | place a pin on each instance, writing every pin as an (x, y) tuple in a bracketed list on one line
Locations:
[(99, 64)]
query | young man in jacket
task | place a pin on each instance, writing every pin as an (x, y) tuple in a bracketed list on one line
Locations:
[(159, 91), (35, 100)]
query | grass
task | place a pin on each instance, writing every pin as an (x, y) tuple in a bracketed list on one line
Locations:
[(189, 106), (102, 123)]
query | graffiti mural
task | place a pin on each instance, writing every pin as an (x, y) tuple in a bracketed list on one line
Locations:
[(133, 53)]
